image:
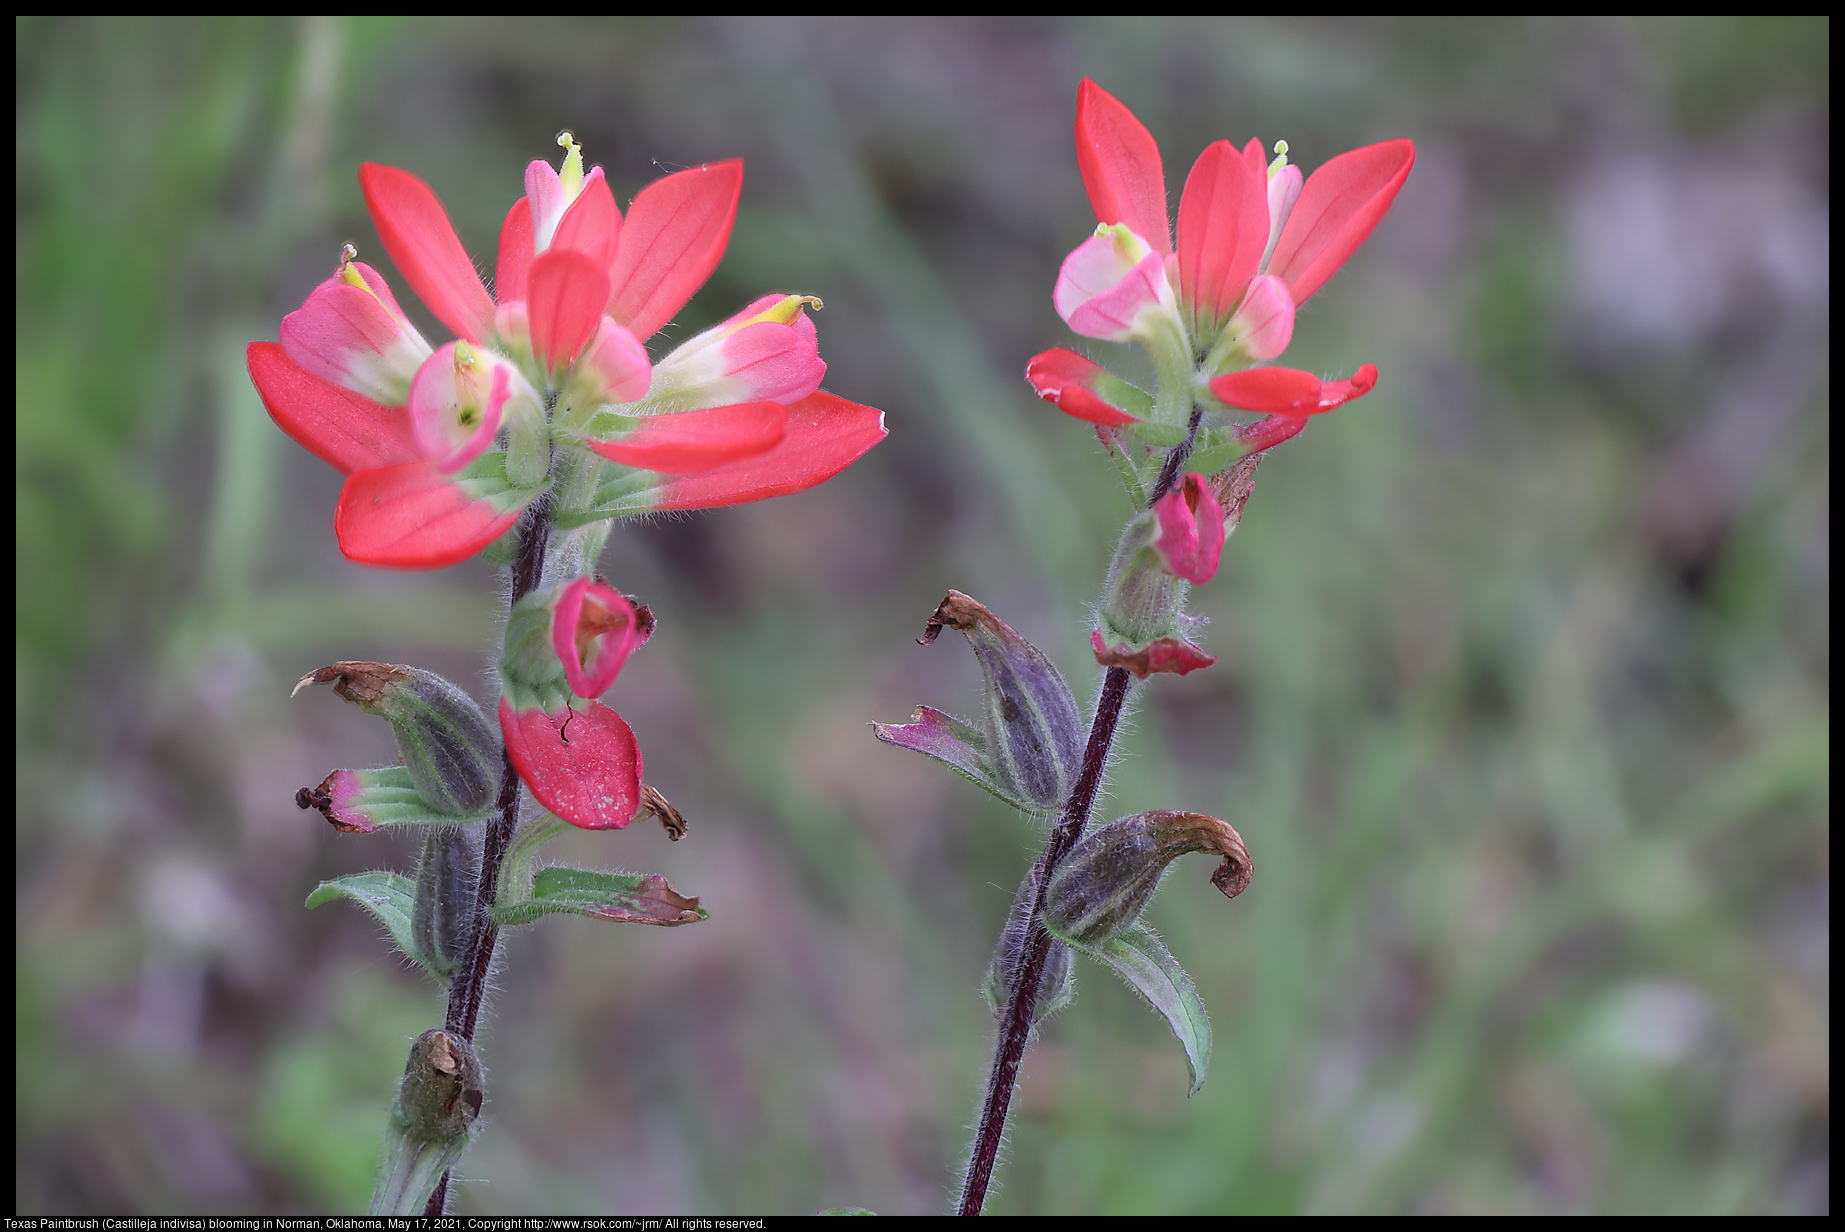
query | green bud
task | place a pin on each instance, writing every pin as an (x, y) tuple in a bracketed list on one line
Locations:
[(1057, 983), (530, 671), (1034, 735), (442, 916), (1106, 881), (1141, 601), (441, 1092), (437, 1103), (453, 756)]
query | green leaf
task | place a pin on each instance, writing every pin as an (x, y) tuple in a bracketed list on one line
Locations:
[(516, 869), (631, 898), (390, 897), (1139, 957)]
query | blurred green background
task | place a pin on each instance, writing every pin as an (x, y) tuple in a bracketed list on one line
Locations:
[(1522, 703)]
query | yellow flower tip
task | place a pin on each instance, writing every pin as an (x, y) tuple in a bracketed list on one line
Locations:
[(464, 358), (785, 309), (1281, 159), (571, 173), (349, 274)]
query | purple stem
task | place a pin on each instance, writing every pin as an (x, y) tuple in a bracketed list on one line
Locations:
[(1070, 825), (469, 987)]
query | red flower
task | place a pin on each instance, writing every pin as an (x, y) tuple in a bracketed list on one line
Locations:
[(444, 449), (1252, 242)]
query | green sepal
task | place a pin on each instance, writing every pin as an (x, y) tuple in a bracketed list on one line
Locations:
[(485, 479), (530, 672), (632, 898), (1217, 451), (1142, 959), (446, 895), (1132, 481), (622, 492), (385, 797), (1159, 435), (1123, 395), (431, 1120), (501, 550), (389, 896), (516, 865)]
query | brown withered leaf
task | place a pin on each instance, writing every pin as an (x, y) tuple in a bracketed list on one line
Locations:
[(1211, 834), (358, 682), (653, 804)]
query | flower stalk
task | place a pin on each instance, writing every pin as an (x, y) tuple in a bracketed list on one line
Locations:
[(1017, 1017)]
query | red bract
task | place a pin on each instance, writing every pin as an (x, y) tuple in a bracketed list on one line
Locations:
[(1289, 391), (1084, 389), (1190, 535), (580, 288), (594, 628), (581, 761), (1232, 214), (1177, 655)]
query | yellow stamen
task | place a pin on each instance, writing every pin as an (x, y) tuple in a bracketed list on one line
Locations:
[(783, 310), (571, 173), (1281, 159), (349, 274)]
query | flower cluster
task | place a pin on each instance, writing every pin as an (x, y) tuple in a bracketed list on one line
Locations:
[(1253, 241), (444, 447), (547, 392)]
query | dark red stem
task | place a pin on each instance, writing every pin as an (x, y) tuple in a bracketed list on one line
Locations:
[(469, 987), (1071, 823)]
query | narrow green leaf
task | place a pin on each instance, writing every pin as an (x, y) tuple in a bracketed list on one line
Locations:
[(516, 867), (389, 896), (632, 898), (1139, 957)]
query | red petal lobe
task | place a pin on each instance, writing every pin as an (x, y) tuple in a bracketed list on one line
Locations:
[(341, 428), (674, 237), (414, 517), (564, 303), (1223, 228), (417, 234), (581, 763), (592, 222), (1121, 167), (699, 440), (515, 253), (1338, 208), (825, 435)]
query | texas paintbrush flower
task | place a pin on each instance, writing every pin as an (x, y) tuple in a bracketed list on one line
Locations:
[(549, 387), (1253, 241)]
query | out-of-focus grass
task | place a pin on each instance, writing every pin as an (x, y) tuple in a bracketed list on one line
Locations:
[(1521, 704)]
